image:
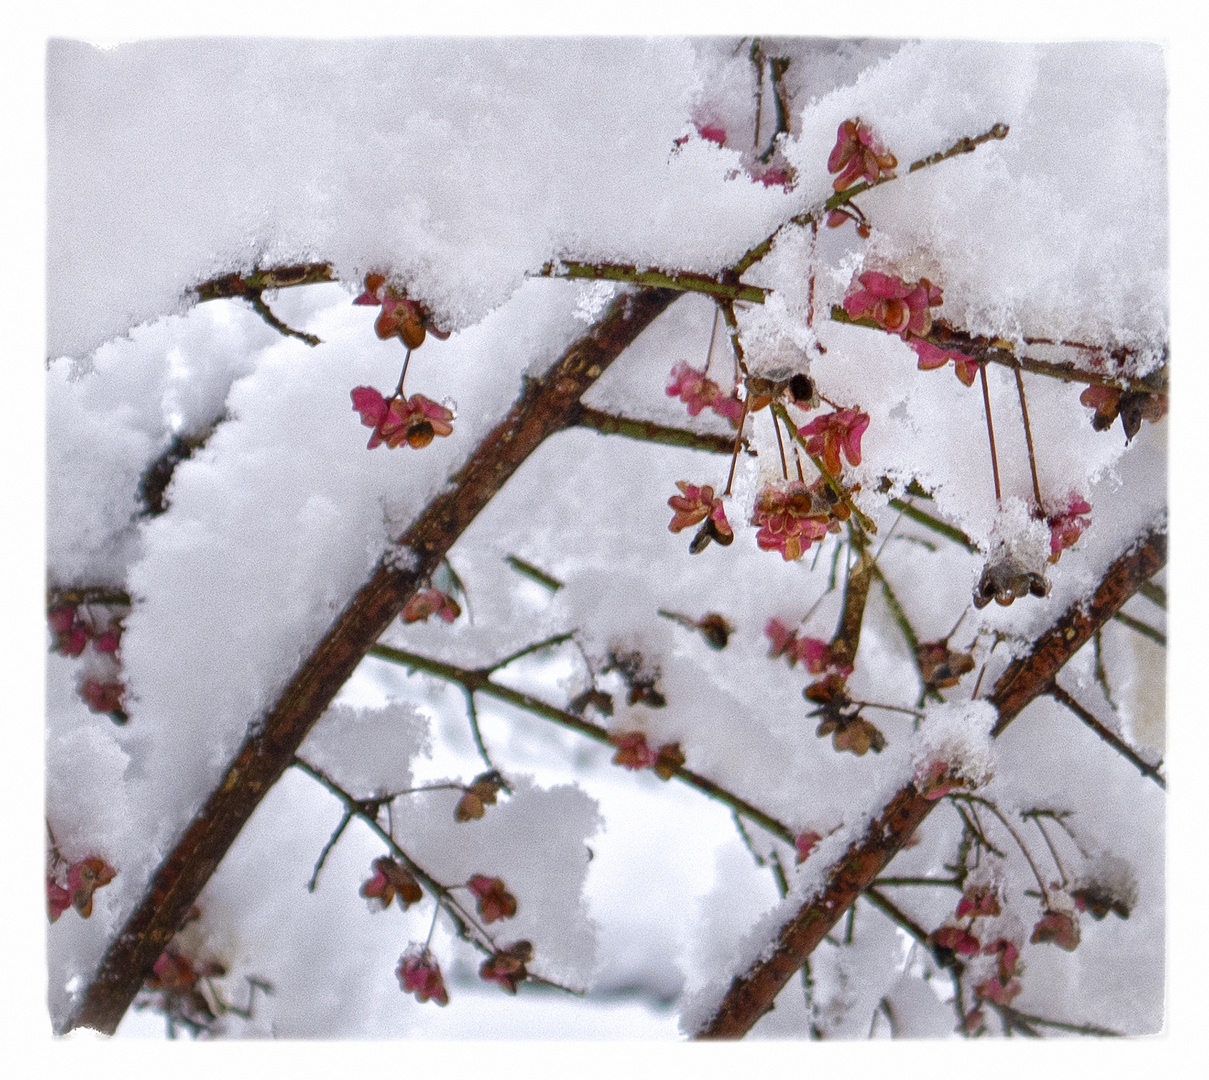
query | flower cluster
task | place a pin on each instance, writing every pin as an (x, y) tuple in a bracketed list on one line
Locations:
[(858, 156), (400, 317), (699, 392), (933, 356), (431, 602), (418, 973), (700, 505), (1065, 528), (495, 902), (415, 421), (391, 881), (841, 720), (897, 306), (814, 653), (793, 516), (83, 879), (826, 436)]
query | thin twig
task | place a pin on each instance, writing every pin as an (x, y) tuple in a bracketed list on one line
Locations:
[(262, 309), (345, 818), (537, 646), (1100, 670), (986, 404), (1018, 1018), (527, 569), (949, 883), (1113, 740), (1156, 594), (1145, 629), (648, 431), (780, 445), (1028, 438)]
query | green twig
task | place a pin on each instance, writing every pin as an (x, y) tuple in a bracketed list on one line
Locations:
[(526, 569), (1145, 629), (683, 280)]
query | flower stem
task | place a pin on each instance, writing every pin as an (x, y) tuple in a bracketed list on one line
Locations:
[(1028, 438), (986, 403)]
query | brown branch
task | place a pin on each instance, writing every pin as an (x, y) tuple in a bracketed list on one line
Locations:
[(752, 994), (847, 637), (648, 431), (542, 409)]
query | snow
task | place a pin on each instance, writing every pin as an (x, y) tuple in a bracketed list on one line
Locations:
[(460, 168)]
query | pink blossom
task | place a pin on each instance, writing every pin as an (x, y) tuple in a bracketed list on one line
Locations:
[(699, 392), (1066, 528), (978, 901), (695, 505), (955, 939), (789, 520), (632, 750), (1008, 954), (858, 155), (783, 640), (400, 317), (415, 420), (714, 133), (1000, 993), (933, 356), (391, 880), (430, 602), (897, 306), (936, 781), (495, 901), (813, 652), (828, 435), (109, 641), (805, 843), (419, 974)]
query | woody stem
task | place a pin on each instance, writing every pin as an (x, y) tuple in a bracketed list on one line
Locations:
[(402, 376), (780, 445), (986, 404), (734, 457)]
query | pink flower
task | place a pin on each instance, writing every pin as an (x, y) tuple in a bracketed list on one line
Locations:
[(790, 519), (955, 939), (84, 878), (1065, 528), (507, 966), (936, 781), (699, 504), (828, 435), (897, 306), (858, 155), (109, 641), (71, 635), (391, 880), (806, 843), (1000, 993), (784, 640), (632, 750), (495, 901), (103, 697), (978, 901), (1058, 927), (58, 899), (415, 421), (933, 356), (419, 974), (813, 652), (699, 392), (431, 602), (713, 133)]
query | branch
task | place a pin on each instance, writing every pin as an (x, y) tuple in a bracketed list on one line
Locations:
[(479, 681), (250, 287), (648, 431), (752, 993), (950, 532), (724, 287), (543, 408), (1113, 740), (1145, 629)]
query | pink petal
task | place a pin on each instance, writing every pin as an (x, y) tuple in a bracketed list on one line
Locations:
[(370, 404)]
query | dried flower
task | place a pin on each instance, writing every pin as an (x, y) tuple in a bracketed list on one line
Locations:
[(669, 758), (897, 306), (1009, 957), (933, 356), (430, 602), (1066, 528), (632, 750), (940, 666), (858, 155), (1005, 580), (852, 733), (418, 973), (699, 504), (507, 966), (1000, 993), (790, 518), (1059, 927), (84, 878), (104, 696), (495, 901), (391, 880), (827, 435), (481, 793), (1133, 406), (952, 941)]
